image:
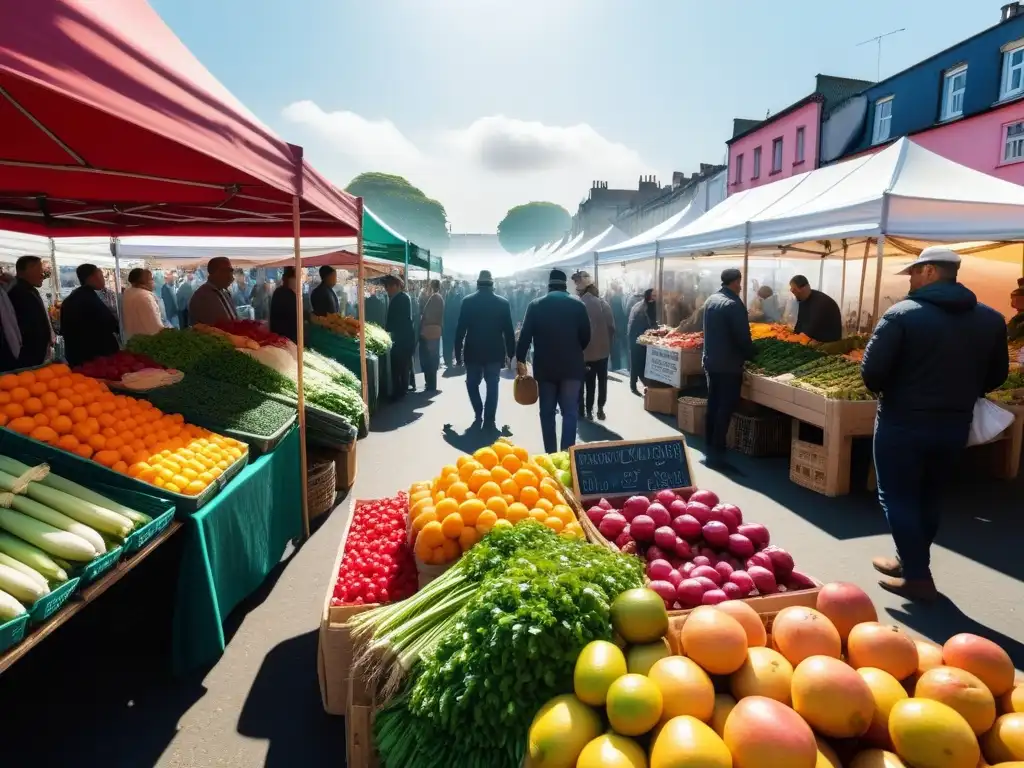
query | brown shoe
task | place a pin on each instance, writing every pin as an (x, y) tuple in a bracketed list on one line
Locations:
[(888, 566), (917, 590)]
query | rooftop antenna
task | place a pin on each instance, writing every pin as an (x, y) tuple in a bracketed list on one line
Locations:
[(878, 39)]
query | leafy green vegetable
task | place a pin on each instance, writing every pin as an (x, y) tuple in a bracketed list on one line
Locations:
[(233, 367), (178, 349), (775, 357), (378, 340), (332, 369), (837, 377)]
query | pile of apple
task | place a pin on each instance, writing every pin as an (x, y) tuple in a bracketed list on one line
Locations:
[(698, 550)]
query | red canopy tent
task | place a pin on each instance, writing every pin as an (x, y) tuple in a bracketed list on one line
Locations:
[(111, 126)]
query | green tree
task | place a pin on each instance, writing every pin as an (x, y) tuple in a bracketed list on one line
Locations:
[(532, 224), (403, 207)]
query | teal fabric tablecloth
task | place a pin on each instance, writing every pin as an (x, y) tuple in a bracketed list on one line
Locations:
[(231, 545)]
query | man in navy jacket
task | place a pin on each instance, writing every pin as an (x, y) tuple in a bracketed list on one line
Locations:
[(484, 339), (727, 346), (930, 358)]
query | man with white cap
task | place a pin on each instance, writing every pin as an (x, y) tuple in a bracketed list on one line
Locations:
[(932, 355)]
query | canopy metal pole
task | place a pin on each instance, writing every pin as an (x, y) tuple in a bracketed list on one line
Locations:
[(842, 287), (362, 310), (878, 282), (746, 260), (863, 278), (54, 274), (821, 272), (300, 387), (659, 270)]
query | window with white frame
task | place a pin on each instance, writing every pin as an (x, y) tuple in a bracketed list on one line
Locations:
[(756, 173), (1013, 72), (800, 144), (1013, 142), (739, 169), (954, 86), (883, 120), (777, 155)]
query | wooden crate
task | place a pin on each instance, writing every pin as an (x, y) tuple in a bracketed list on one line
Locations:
[(808, 463), (360, 751), (345, 467), (661, 400), (691, 411)]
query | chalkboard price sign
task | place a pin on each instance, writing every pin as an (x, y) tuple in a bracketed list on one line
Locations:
[(624, 468)]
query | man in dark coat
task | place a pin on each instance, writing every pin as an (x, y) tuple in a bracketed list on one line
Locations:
[(818, 316), (452, 311), (403, 338), (283, 318), (323, 298), (558, 327), (89, 328), (33, 321), (930, 358), (642, 317), (727, 346), (484, 339)]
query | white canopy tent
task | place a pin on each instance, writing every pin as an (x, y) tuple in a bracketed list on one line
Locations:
[(584, 254), (645, 245)]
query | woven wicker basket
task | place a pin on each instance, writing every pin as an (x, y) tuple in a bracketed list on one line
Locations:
[(320, 486)]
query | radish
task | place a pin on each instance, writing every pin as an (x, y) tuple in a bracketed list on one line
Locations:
[(666, 591), (740, 545), (654, 552), (623, 539), (761, 559), (797, 580), (742, 580), (665, 538), (658, 570), (675, 577), (682, 548), (689, 592), (764, 579), (724, 569), (686, 568), (611, 525), (658, 514), (641, 528), (677, 508), (756, 532), (716, 534), (705, 497), (596, 514), (732, 591), (708, 583), (782, 561), (707, 572), (605, 504), (635, 505), (727, 513), (701, 560), (687, 526), (698, 510), (709, 553), (713, 597), (665, 497)]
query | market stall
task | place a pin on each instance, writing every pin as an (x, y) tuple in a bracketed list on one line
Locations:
[(95, 127)]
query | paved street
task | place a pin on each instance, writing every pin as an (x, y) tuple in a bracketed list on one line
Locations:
[(260, 704)]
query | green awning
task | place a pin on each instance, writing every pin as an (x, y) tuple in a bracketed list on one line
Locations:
[(381, 241)]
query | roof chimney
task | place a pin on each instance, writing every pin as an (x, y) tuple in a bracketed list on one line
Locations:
[(1010, 11)]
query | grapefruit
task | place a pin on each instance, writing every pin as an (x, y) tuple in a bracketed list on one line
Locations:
[(559, 732), (599, 664), (845, 605), (928, 733), (685, 688), (885, 691), (877, 758), (612, 751), (827, 757), (884, 647), (832, 697), (1005, 741), (634, 705), (748, 619), (640, 658), (724, 704), (686, 742), (639, 616), (714, 639), (983, 659), (764, 673), (762, 733), (799, 632), (963, 692)]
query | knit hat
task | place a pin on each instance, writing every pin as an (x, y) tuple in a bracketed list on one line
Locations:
[(557, 280), (485, 278)]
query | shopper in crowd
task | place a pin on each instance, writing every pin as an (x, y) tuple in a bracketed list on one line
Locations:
[(211, 302), (140, 308), (1015, 327), (240, 289), (283, 318), (818, 315), (431, 326), (620, 353), (930, 358), (89, 328), (452, 312), (727, 346), (33, 321), (10, 334), (597, 352), (765, 307), (484, 340), (184, 293), (642, 317), (403, 338), (323, 299), (260, 298), (558, 327), (169, 299)]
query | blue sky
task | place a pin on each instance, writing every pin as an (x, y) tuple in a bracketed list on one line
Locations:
[(489, 103)]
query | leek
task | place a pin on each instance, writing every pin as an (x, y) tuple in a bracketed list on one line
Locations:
[(51, 540), (58, 520), (28, 570), (80, 492), (9, 608), (33, 557), (21, 587), (97, 518)]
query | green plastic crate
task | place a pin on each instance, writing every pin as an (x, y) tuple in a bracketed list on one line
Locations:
[(139, 538), (13, 632), (45, 607), (88, 573)]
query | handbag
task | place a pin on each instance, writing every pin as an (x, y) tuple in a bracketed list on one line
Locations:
[(525, 389)]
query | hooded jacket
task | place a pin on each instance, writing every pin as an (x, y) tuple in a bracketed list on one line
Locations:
[(934, 354)]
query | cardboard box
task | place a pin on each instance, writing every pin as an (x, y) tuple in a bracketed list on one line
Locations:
[(345, 468), (691, 411), (661, 400)]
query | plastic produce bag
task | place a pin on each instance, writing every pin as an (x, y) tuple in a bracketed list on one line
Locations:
[(989, 422)]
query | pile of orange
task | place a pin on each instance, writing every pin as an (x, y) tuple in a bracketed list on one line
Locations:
[(82, 416), (498, 485)]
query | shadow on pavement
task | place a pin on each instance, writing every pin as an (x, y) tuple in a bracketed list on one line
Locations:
[(473, 438), (593, 431), (395, 414), (305, 734), (453, 372), (943, 619)]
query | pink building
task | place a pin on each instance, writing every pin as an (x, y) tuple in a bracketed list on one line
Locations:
[(785, 143)]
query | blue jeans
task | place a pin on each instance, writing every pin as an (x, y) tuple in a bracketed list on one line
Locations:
[(565, 394), (911, 465), (489, 373)]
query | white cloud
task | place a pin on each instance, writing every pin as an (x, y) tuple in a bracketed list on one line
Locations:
[(479, 171)]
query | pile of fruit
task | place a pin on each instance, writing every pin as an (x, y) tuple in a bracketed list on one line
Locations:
[(836, 377), (82, 416), (698, 550), (238, 342), (830, 687), (779, 332), (557, 465), (114, 367), (377, 564), (254, 330), (499, 485), (669, 337), (378, 341)]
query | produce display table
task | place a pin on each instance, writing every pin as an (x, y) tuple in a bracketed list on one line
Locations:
[(345, 350), (232, 545)]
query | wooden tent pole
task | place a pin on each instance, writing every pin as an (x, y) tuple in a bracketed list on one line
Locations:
[(842, 287), (299, 340), (863, 278), (362, 311)]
